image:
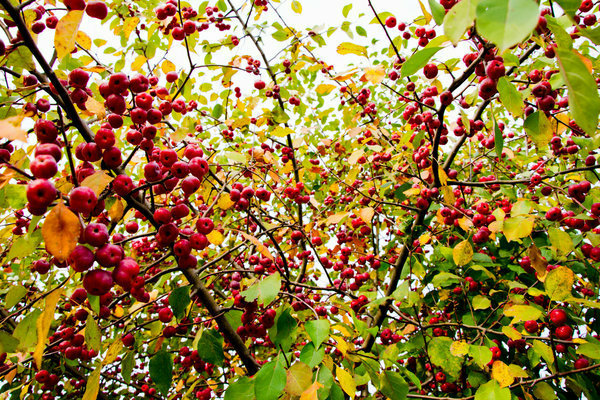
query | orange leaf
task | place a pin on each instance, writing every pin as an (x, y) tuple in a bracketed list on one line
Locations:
[(95, 107), (374, 74), (61, 232), (10, 128), (262, 249), (311, 392), (366, 214), (98, 181)]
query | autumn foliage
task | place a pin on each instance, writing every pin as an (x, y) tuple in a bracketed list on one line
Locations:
[(206, 201)]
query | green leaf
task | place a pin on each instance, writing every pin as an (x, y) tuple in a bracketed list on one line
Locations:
[(482, 355), (444, 279), (127, 366), (584, 102), (459, 19), (560, 240), (543, 391), (569, 6), (346, 10), (591, 350), (299, 378), (510, 97), (92, 333), (14, 196), (19, 59), (437, 11), (491, 390), (498, 139), (279, 116), (318, 330), (25, 245), (506, 22), (217, 111), (538, 129), (179, 299), (418, 61), (94, 303), (270, 380), (8, 343), (559, 283), (481, 302), (265, 290), (518, 227), (545, 351), (382, 16), (210, 347), (311, 356), (26, 330), (14, 295), (393, 385), (242, 389), (361, 31), (562, 37), (439, 352), (285, 330), (161, 371), (222, 5)]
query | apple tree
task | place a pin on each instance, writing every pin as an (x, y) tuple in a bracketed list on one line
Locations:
[(222, 200)]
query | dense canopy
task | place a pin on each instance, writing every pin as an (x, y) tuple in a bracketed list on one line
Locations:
[(227, 200)]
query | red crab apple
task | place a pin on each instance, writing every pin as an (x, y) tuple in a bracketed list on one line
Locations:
[(96, 9), (44, 166), (40, 193), (83, 199), (558, 317), (97, 282)]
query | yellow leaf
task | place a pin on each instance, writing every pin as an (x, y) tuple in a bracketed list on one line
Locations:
[(215, 237), (116, 211), (167, 66), (262, 249), (66, 33), (93, 384), (501, 373), (511, 332), (462, 253), (130, 25), (355, 156), (521, 312), (537, 262), (351, 48), (61, 232), (517, 227), (374, 74), (517, 371), (366, 214), (311, 392), (324, 89), (95, 107), (10, 128), (448, 194), (342, 345), (84, 40), (281, 131), (297, 7), (138, 62), (225, 202), (559, 283), (336, 218), (346, 382), (113, 352), (424, 238), (98, 181), (299, 378), (426, 13), (460, 348), (43, 325)]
